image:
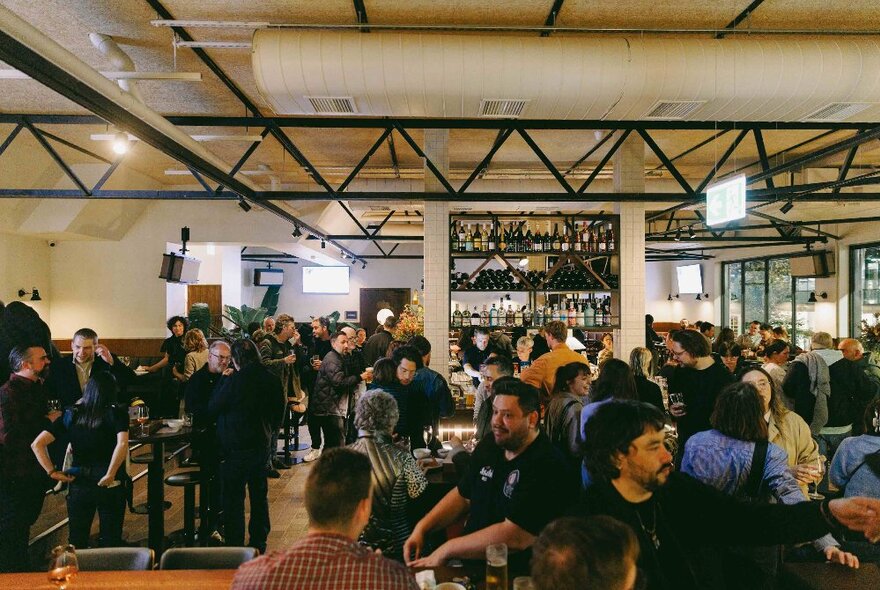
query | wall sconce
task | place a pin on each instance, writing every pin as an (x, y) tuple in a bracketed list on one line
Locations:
[(813, 299), (35, 294), (671, 296), (701, 295)]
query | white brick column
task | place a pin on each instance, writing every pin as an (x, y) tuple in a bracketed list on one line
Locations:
[(436, 252), (629, 177)]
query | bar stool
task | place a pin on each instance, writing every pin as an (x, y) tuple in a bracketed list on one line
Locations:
[(291, 436), (141, 508), (188, 480)]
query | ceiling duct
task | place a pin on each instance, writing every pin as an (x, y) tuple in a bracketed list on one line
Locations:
[(566, 77)]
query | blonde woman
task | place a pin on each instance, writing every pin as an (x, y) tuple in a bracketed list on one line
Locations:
[(196, 348), (640, 365)]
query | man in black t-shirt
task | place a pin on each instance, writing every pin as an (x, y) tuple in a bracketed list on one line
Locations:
[(477, 354), (517, 482), (699, 378)]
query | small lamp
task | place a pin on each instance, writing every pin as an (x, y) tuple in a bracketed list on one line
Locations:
[(35, 294)]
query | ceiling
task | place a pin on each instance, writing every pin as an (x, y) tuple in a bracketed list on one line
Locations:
[(333, 153)]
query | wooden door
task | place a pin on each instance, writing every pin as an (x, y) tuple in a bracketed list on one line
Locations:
[(210, 294), (373, 300)]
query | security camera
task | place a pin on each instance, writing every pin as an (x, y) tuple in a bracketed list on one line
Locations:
[(51, 243)]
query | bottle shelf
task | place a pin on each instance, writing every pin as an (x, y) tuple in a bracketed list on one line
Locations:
[(485, 253)]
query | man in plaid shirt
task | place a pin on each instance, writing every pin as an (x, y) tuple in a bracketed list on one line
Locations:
[(338, 498)]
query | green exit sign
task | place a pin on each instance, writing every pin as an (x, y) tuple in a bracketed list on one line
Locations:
[(726, 201)]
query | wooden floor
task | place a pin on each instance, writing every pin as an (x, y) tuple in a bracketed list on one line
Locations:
[(287, 513)]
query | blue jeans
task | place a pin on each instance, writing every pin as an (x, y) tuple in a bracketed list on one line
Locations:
[(86, 498), (240, 470)]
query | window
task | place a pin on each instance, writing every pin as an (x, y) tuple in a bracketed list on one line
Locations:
[(864, 285), (762, 289)]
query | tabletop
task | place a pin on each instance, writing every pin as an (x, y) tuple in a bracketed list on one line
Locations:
[(140, 580), (164, 434), (827, 576)]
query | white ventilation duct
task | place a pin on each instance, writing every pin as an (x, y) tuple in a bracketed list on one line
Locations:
[(120, 61), (614, 78)]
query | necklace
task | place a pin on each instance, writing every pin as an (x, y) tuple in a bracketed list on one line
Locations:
[(650, 532)]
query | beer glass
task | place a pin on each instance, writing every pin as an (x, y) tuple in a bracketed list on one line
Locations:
[(63, 566), (496, 567)]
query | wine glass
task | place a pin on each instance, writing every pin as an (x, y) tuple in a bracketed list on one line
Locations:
[(429, 436), (819, 470), (142, 416), (63, 566)]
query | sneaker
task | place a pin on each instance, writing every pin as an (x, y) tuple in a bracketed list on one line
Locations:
[(312, 455)]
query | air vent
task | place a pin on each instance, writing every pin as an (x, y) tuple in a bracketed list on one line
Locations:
[(838, 111), (674, 109), (333, 105), (502, 107)]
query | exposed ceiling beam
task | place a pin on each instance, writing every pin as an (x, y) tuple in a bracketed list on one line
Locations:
[(450, 123), (746, 13), (766, 239), (801, 242), (550, 21), (361, 12)]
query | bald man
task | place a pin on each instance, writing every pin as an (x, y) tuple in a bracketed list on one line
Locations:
[(853, 351)]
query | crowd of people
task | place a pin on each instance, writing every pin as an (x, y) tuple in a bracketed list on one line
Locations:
[(587, 474)]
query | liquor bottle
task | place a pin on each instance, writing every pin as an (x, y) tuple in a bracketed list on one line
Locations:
[(564, 239), (576, 238), (572, 314), (520, 239), (493, 316), (555, 245), (563, 313), (484, 316), (554, 313), (527, 316), (453, 242), (600, 237), (509, 318), (609, 239), (456, 317), (591, 241), (518, 317), (538, 241), (579, 314), (461, 237), (478, 240), (475, 317), (469, 240), (491, 237), (585, 236), (539, 316), (527, 240)]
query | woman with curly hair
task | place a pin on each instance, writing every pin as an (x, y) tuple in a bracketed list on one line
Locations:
[(171, 364), (196, 353)]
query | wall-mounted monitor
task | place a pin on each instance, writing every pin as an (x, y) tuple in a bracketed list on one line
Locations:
[(331, 280), (818, 264), (690, 278), (268, 277), (179, 269)]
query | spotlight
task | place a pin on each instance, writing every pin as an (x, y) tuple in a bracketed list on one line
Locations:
[(245, 206), (296, 231), (786, 208), (323, 244), (699, 297), (364, 266), (678, 235), (120, 143), (353, 261), (343, 255), (691, 233)]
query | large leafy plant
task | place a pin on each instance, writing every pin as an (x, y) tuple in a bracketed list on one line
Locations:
[(244, 316)]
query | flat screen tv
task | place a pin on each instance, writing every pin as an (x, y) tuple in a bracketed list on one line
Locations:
[(690, 278), (818, 264), (331, 280)]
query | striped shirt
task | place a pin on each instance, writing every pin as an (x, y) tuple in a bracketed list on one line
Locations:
[(323, 561)]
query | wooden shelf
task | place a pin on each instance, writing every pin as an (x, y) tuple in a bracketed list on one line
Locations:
[(485, 253)]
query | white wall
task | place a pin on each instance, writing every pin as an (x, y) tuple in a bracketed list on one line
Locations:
[(662, 281), (391, 274), (24, 264)]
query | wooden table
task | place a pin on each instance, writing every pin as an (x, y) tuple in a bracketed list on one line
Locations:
[(827, 576), (177, 579), (156, 483)]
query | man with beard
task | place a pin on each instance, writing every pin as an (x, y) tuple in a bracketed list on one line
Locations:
[(676, 518), (23, 483), (516, 484)]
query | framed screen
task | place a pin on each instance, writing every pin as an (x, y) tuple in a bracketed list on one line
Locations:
[(325, 279), (690, 278)]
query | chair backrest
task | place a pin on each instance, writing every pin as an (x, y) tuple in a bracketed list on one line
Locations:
[(206, 558), (115, 559)]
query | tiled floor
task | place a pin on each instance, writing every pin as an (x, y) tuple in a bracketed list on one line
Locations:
[(287, 513)]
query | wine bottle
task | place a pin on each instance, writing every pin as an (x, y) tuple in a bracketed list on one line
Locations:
[(453, 246), (601, 239), (478, 240), (591, 241), (555, 244), (491, 237), (548, 241), (461, 237), (527, 240), (502, 238), (609, 239), (564, 239), (469, 240), (576, 239)]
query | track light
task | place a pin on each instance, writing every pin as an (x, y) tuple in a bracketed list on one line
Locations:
[(323, 244), (678, 235), (364, 266), (245, 206), (691, 233), (353, 261), (786, 208), (296, 231)]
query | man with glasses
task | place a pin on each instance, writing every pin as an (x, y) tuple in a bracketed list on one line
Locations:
[(204, 443), (699, 378)]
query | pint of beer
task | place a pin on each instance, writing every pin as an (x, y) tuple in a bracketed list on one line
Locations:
[(496, 567)]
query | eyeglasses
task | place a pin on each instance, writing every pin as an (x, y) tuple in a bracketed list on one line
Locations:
[(223, 358), (761, 383)]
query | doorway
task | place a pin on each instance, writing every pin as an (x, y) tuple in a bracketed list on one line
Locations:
[(213, 296), (373, 300)]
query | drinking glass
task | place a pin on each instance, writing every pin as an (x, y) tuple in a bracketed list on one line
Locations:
[(819, 469), (496, 567), (523, 583), (676, 400), (142, 416), (429, 436), (63, 566)]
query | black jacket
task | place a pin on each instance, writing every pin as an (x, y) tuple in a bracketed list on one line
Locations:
[(63, 382), (851, 390), (247, 406), (332, 387), (689, 515)]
